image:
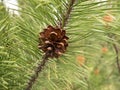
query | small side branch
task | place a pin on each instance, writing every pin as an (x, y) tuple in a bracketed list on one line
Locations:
[(37, 72), (116, 51), (67, 14), (117, 56)]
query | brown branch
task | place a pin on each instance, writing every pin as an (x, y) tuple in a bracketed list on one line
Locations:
[(117, 56), (67, 14), (37, 72)]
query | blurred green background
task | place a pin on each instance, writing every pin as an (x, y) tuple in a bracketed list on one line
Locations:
[(91, 61)]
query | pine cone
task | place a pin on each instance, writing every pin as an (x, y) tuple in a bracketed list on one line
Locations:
[(53, 41)]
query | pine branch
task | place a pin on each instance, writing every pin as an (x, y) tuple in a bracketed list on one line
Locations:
[(45, 58), (37, 72), (67, 15)]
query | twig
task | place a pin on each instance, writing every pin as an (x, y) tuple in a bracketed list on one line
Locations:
[(117, 56), (67, 14), (37, 72)]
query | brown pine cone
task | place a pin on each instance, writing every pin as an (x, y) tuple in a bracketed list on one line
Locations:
[(54, 41)]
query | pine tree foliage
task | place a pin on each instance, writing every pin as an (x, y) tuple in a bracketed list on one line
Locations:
[(91, 61)]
